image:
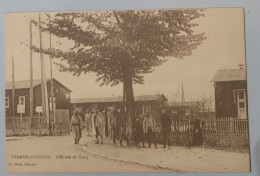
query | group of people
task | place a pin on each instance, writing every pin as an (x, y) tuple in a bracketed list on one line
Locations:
[(99, 123), (145, 127)]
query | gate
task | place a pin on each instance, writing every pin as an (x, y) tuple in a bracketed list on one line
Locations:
[(60, 124)]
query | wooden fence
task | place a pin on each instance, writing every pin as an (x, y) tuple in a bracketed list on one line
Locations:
[(18, 126), (24, 126), (223, 132)]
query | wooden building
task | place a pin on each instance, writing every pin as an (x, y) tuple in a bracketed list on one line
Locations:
[(186, 109), (143, 103), (231, 93), (22, 96)]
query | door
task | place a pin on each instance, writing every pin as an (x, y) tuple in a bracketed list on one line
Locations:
[(241, 104)]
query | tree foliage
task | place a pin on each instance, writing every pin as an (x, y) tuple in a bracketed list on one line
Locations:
[(117, 44)]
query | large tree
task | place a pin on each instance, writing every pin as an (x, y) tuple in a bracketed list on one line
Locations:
[(122, 46)]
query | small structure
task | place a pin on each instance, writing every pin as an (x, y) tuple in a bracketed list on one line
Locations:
[(143, 103), (187, 109), (22, 96), (231, 93)]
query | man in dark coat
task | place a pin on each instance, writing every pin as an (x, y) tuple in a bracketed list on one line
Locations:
[(166, 127), (197, 132), (138, 132), (116, 124)]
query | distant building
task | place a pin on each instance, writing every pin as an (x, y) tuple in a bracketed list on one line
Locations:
[(22, 96), (231, 93), (143, 103), (187, 109)]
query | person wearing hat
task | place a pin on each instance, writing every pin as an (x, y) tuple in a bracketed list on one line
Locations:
[(76, 125), (138, 132), (149, 126), (166, 127), (116, 125), (197, 132), (99, 126), (88, 122)]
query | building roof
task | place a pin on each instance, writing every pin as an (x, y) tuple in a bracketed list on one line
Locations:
[(118, 99), (229, 75), (26, 84), (188, 103)]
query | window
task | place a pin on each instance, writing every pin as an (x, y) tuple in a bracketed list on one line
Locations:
[(21, 100), (6, 102), (241, 104), (241, 95)]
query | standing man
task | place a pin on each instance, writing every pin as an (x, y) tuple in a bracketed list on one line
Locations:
[(102, 126), (96, 124), (88, 122), (138, 132), (197, 132), (115, 122), (76, 125), (149, 126), (166, 127)]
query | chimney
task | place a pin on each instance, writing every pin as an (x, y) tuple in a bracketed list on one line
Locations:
[(241, 66)]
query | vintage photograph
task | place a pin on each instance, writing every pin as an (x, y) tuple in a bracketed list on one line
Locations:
[(157, 90)]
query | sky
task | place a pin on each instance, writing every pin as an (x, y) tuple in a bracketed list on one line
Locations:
[(223, 49)]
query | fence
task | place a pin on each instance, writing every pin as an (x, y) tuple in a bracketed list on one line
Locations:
[(18, 126), (23, 126), (222, 132)]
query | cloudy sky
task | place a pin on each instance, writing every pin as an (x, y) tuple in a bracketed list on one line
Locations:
[(224, 49)]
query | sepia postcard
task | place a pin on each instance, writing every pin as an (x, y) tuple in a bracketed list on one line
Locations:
[(160, 90)]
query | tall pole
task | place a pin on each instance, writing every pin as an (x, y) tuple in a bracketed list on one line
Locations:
[(31, 77), (52, 92), (31, 73), (13, 94), (182, 93), (13, 88), (41, 56), (44, 85)]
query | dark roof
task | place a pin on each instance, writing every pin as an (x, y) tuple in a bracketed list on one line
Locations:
[(230, 75), (118, 99), (26, 84)]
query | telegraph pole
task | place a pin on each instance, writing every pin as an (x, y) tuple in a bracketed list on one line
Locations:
[(13, 94), (31, 77), (31, 73), (182, 100), (44, 85), (52, 104), (41, 56)]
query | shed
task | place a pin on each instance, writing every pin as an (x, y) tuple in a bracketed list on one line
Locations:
[(231, 93), (22, 96)]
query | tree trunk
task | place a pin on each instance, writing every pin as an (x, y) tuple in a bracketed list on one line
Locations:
[(130, 106)]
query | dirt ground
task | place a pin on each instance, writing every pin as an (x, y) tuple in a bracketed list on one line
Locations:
[(42, 154)]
